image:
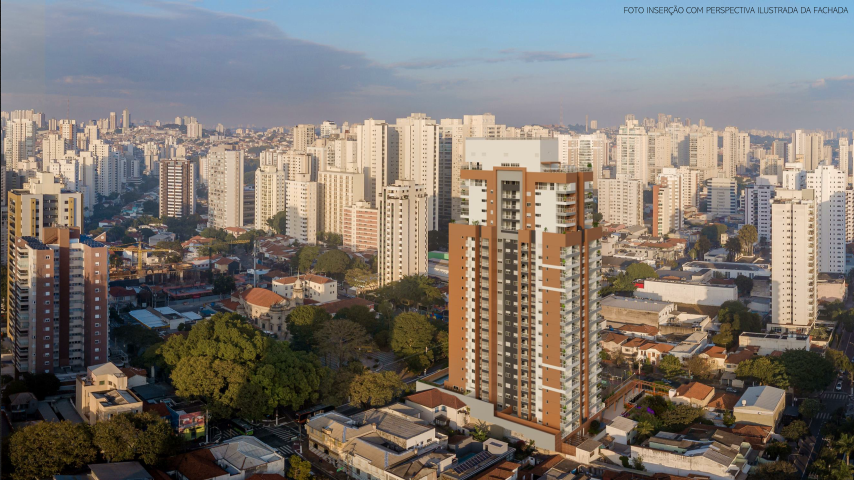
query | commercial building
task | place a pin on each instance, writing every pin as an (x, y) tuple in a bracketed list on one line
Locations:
[(403, 231), (301, 209), (337, 191), (177, 188), (621, 200), (57, 305), (687, 292), (360, 226), (794, 274), (760, 406), (828, 185), (524, 272), (723, 197), (225, 187)]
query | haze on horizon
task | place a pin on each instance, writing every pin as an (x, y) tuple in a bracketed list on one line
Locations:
[(267, 64)]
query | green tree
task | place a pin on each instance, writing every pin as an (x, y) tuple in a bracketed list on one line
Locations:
[(767, 370), (223, 285), (341, 341), (360, 279), (703, 245), (700, 367), (376, 389), (780, 470), (412, 334), (795, 430), (304, 258), (45, 449), (303, 322), (299, 469), (809, 407), (845, 445), (748, 235), (670, 366), (361, 315), (807, 371), (638, 271), (481, 431), (744, 285), (278, 222), (333, 262), (645, 428), (840, 360), (713, 232), (150, 207), (115, 438), (729, 419), (733, 247), (678, 417)]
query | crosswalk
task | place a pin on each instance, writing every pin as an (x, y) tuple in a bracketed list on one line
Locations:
[(287, 435), (824, 416), (834, 395), (228, 433)]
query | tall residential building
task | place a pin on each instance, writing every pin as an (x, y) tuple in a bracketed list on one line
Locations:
[(780, 148), (338, 190), (376, 157), (660, 152), (688, 180), (249, 206), (810, 145), (177, 188), (225, 187), (125, 119), (524, 270), (794, 176), (53, 148), (586, 151), (328, 128), (113, 124), (703, 152), (772, 165), (403, 231), (195, 130), (270, 191), (844, 157), (361, 225), (68, 132), (679, 143), (418, 156), (108, 169), (301, 198), (736, 146), (19, 142), (633, 151), (828, 185), (676, 189), (723, 197), (849, 215), (794, 276), (621, 200), (757, 206), (303, 137), (58, 309)]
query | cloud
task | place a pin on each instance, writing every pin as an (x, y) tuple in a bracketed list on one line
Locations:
[(507, 55), (551, 56)]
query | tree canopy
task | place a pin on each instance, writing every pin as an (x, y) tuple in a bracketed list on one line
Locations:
[(670, 366), (332, 262), (340, 341), (372, 389), (413, 335), (804, 370), (303, 322), (45, 449)]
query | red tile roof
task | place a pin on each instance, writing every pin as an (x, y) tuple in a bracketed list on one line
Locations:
[(723, 401), (333, 307), (158, 408), (261, 297), (132, 372), (196, 465), (646, 329), (307, 277), (715, 351), (122, 292), (694, 390), (434, 397)]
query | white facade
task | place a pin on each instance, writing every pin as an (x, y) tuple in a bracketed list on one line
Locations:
[(828, 184), (703, 152), (585, 150), (225, 187), (376, 157), (269, 193), (53, 148), (301, 207), (621, 200), (844, 157), (736, 146), (660, 152), (757, 206), (20, 142), (337, 191), (793, 261), (772, 165), (328, 128), (194, 130), (633, 151), (723, 198), (403, 231), (418, 157), (304, 137), (686, 292)]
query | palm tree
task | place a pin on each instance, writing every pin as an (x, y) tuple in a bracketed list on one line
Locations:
[(845, 445), (733, 247), (645, 428)]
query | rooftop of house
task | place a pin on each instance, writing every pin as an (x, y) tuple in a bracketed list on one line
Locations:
[(762, 397), (694, 390), (311, 278), (641, 304), (395, 424), (435, 397), (261, 297), (115, 398)]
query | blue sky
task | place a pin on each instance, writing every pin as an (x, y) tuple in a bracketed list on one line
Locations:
[(277, 63)]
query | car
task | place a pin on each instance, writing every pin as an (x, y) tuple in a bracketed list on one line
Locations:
[(731, 390), (838, 386)]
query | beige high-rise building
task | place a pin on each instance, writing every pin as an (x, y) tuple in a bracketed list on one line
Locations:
[(225, 187), (621, 200), (177, 188), (723, 197), (338, 190), (68, 132), (194, 130), (660, 152), (679, 143), (20, 142), (828, 185), (810, 145), (418, 156), (772, 165), (376, 157), (269, 193), (361, 227), (328, 128), (589, 151), (666, 217), (633, 151), (301, 197), (114, 124), (736, 146), (126, 119), (703, 152), (292, 163), (304, 137), (403, 231), (53, 148), (794, 272), (845, 158)]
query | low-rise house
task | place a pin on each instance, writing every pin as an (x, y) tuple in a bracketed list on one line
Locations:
[(653, 352), (760, 406), (111, 471), (121, 296), (768, 343), (733, 359), (691, 346), (613, 342), (622, 430), (237, 458), (103, 392), (716, 356), (22, 405), (695, 394), (315, 287), (720, 456), (440, 408), (647, 332)]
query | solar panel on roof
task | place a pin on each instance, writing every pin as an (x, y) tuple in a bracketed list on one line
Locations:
[(472, 462)]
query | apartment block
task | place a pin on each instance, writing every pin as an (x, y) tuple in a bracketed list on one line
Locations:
[(735, 147), (828, 185), (58, 310), (621, 200), (403, 231), (757, 206), (524, 272), (338, 190), (302, 215), (304, 136), (723, 197), (376, 157), (361, 226), (269, 192), (225, 187), (660, 152), (794, 276), (177, 188), (102, 392), (589, 151), (633, 151), (418, 155), (666, 214)]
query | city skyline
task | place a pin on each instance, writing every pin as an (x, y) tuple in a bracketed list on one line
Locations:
[(270, 65)]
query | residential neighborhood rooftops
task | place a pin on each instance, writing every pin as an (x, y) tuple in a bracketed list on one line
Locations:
[(390, 423)]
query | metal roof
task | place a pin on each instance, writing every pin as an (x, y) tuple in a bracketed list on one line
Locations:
[(764, 397)]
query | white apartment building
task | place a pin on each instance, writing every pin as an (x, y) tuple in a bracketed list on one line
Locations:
[(723, 196), (108, 168), (53, 148), (328, 128), (403, 231), (757, 206), (794, 176), (633, 151), (304, 137), (376, 157), (660, 152), (736, 146), (338, 190), (418, 156), (585, 151), (19, 142), (341, 154), (292, 163), (794, 276), (301, 197), (845, 157), (828, 185), (688, 180), (194, 130), (666, 215), (849, 215), (225, 187), (621, 200), (772, 165), (269, 193), (678, 143), (703, 152), (810, 145), (177, 188)]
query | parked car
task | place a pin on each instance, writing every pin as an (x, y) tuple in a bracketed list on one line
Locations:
[(839, 386), (731, 390)]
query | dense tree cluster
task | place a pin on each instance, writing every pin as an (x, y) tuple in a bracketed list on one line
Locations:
[(625, 282), (735, 318), (804, 370)]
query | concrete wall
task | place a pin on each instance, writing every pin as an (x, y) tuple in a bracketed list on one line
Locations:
[(659, 461), (690, 293)]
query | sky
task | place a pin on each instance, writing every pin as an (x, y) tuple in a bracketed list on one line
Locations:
[(271, 63)]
